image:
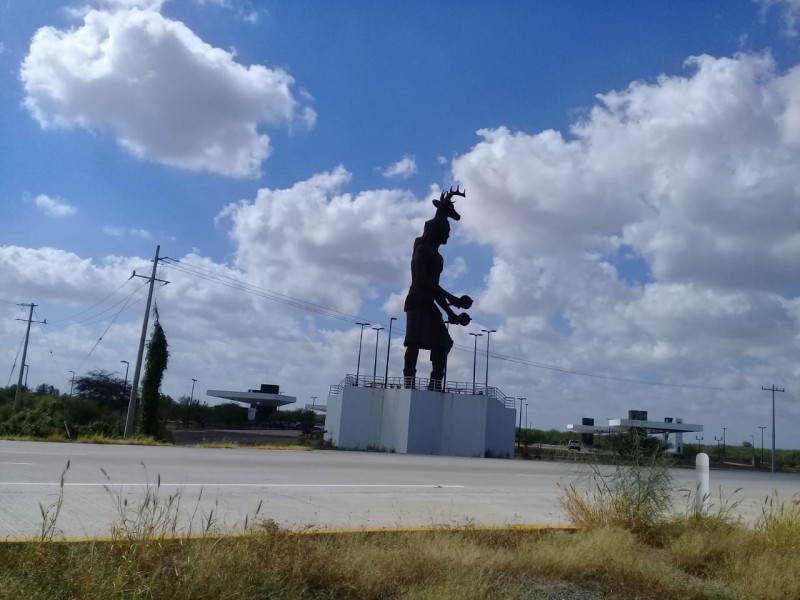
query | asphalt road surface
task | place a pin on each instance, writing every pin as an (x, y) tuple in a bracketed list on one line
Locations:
[(300, 489)]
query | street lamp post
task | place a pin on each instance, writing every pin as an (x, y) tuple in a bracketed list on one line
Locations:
[(519, 434), (375, 366), (191, 395), (762, 428), (526, 425), (488, 333), (388, 347), (313, 401), (723, 442), (360, 338), (475, 358), (125, 381), (72, 383), (773, 389), (699, 439)]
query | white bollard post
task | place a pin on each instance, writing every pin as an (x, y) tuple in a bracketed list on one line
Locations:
[(702, 487)]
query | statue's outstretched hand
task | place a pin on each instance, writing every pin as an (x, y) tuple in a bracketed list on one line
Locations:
[(463, 302), (460, 319)]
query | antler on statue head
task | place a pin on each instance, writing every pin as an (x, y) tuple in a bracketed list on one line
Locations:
[(445, 205)]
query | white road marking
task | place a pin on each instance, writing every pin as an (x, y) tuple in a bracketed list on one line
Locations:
[(245, 485), (15, 463)]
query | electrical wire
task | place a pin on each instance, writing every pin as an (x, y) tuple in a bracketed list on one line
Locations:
[(85, 310), (237, 284), (47, 341), (101, 315), (14, 366), (102, 335), (259, 291)]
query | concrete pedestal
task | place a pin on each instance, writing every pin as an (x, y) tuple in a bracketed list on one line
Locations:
[(413, 421)]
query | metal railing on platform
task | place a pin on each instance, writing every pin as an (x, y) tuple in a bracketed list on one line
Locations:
[(423, 383)]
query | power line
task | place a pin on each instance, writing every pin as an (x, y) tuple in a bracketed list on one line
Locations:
[(50, 347), (101, 315), (85, 310), (14, 366), (342, 316), (259, 291), (102, 335)]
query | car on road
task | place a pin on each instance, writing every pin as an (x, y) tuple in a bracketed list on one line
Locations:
[(574, 445)]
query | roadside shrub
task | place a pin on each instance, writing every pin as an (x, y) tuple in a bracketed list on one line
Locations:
[(634, 495)]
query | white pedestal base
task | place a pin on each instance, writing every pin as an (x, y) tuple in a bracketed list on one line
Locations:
[(413, 421)]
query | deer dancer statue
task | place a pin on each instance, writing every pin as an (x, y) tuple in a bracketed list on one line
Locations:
[(425, 327)]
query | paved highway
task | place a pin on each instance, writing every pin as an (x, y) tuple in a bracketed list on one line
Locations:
[(300, 489)]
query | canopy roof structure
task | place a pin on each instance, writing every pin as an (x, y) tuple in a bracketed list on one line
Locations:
[(615, 425), (268, 396)]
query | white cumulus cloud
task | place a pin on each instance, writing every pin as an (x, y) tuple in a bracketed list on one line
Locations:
[(314, 241), (54, 207), (404, 168), (165, 94), (118, 232), (696, 176), (789, 11)]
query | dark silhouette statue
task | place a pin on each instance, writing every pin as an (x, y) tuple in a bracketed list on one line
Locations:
[(425, 327)]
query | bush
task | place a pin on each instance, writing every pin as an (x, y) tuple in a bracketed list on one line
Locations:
[(633, 495)]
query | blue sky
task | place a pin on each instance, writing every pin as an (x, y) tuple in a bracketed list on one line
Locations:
[(631, 210)]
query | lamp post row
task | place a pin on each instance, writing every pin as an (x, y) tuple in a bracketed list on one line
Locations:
[(488, 333)]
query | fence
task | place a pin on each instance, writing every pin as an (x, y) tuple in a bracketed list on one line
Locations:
[(423, 383)]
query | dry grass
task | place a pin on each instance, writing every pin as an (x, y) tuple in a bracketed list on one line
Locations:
[(635, 497), (276, 445), (89, 439), (695, 558), (630, 546)]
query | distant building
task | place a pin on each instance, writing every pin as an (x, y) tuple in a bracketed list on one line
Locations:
[(268, 396), (638, 419)]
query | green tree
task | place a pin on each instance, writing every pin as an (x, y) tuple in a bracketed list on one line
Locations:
[(155, 365), (635, 444), (45, 389), (228, 414), (102, 387)]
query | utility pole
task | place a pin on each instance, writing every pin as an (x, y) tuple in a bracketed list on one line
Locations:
[(137, 371), (72, 383), (519, 429), (773, 389), (25, 347), (527, 424), (724, 454), (762, 428)]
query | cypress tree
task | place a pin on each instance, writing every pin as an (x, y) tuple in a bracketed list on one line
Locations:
[(155, 365)]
